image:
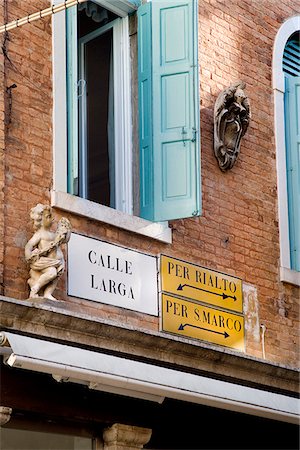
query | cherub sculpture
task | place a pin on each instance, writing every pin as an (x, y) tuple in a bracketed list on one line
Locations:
[(43, 252), (231, 120)]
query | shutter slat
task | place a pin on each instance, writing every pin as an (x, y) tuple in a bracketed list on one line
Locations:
[(295, 45), (292, 61), (291, 70), (292, 50), (291, 58)]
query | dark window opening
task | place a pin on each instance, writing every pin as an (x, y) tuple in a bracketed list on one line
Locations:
[(99, 105), (96, 130)]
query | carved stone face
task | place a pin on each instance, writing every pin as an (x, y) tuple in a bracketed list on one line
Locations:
[(47, 219), (231, 119), (239, 96)]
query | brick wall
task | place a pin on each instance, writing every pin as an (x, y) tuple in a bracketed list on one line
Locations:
[(28, 140), (239, 228), (238, 231)]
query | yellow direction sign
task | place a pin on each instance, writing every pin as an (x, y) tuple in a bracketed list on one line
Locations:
[(190, 319), (201, 284)]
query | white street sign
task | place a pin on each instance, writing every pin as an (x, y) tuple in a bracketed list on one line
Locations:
[(113, 275)]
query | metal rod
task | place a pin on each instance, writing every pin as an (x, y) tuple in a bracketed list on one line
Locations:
[(39, 15)]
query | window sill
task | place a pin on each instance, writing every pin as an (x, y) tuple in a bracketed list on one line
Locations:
[(289, 276), (86, 208)]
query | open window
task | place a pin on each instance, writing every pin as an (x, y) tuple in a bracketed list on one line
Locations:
[(114, 79), (98, 99)]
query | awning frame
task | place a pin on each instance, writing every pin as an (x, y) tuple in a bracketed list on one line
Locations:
[(138, 379)]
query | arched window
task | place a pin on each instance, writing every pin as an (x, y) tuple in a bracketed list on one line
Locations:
[(286, 85), (291, 69)]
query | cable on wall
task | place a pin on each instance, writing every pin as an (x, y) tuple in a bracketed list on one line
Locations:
[(39, 15)]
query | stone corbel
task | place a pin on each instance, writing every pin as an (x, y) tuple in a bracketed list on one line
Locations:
[(125, 437), (5, 413)]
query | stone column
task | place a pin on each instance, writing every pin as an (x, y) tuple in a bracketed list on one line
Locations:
[(125, 437), (5, 413)]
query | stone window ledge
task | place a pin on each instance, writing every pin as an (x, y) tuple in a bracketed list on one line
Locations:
[(91, 210), (290, 276)]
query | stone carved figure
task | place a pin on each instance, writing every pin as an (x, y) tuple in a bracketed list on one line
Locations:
[(231, 120), (43, 252)]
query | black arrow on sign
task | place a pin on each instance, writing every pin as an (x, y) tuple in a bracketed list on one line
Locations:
[(224, 296), (181, 327)]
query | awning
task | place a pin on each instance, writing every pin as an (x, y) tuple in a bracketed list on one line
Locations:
[(137, 379)]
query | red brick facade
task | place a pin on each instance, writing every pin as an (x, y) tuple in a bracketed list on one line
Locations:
[(238, 231)]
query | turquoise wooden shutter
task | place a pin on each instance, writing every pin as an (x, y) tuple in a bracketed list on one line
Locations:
[(292, 125), (169, 109), (72, 99), (145, 111), (291, 58)]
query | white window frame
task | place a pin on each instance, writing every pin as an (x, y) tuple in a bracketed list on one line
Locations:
[(122, 113), (286, 30), (122, 216)]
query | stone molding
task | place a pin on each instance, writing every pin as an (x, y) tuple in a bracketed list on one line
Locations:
[(65, 321), (125, 437)]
